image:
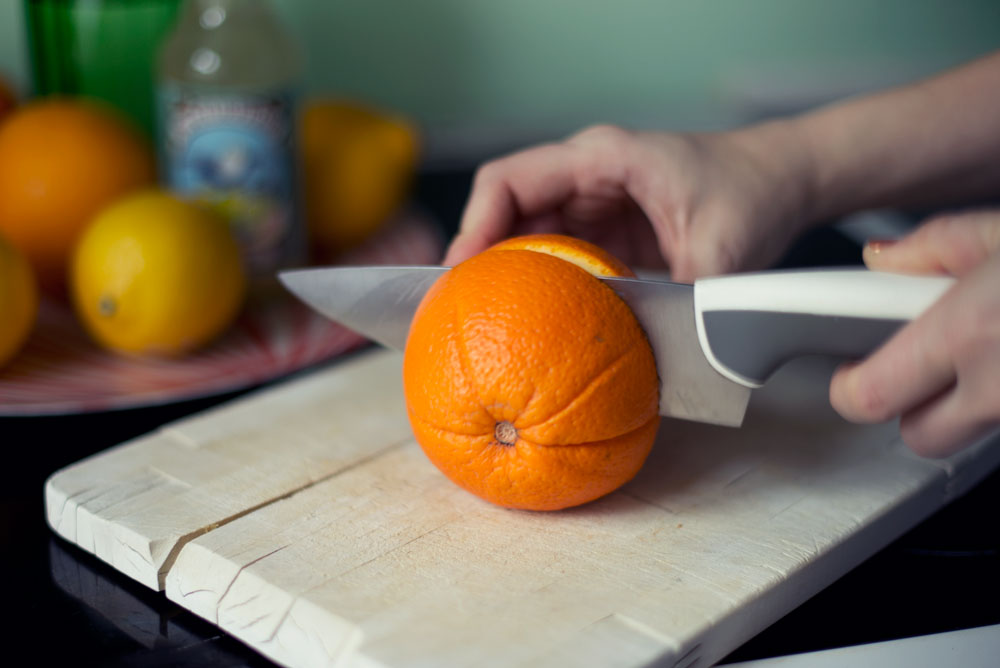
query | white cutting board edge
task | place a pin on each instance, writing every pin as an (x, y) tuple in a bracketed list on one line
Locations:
[(120, 505)]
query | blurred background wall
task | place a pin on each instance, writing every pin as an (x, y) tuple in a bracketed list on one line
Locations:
[(482, 76)]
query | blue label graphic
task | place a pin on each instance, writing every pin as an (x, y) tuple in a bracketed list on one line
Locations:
[(235, 153)]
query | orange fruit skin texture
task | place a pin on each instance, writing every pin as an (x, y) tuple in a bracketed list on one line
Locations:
[(61, 161), (521, 336)]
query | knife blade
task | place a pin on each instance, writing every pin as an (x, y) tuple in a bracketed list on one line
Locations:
[(714, 341)]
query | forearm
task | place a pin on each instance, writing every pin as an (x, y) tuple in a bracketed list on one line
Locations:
[(929, 144)]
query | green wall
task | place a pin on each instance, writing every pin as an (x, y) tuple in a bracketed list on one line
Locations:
[(510, 68), (449, 60)]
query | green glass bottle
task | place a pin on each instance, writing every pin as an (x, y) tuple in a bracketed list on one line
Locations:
[(229, 73), (99, 48)]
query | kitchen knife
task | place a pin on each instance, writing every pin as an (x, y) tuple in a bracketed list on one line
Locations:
[(713, 341)]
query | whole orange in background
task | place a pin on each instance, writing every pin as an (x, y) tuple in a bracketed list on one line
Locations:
[(358, 165), (61, 160), (528, 381), (18, 301)]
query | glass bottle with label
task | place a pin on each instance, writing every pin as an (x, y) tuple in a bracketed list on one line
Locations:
[(227, 81)]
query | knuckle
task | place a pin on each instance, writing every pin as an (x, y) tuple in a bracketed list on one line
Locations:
[(487, 174), (942, 226), (935, 437), (918, 440), (991, 232), (963, 238), (722, 257), (603, 134), (869, 401), (937, 232), (600, 155), (973, 336)]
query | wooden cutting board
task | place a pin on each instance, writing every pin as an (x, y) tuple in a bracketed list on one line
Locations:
[(306, 522)]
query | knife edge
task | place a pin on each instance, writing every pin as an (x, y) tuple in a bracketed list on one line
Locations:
[(380, 302)]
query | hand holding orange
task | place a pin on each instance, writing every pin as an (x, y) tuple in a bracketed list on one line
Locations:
[(528, 381), (154, 274)]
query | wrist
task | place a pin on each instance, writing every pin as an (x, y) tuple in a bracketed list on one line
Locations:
[(785, 162)]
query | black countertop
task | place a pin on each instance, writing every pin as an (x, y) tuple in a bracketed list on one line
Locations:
[(63, 604)]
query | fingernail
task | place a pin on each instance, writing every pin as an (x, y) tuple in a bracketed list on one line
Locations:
[(876, 246)]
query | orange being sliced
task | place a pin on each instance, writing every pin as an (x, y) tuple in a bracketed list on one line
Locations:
[(528, 381)]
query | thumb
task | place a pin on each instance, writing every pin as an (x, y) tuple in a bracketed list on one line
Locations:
[(951, 244)]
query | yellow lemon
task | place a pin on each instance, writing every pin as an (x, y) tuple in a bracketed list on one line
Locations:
[(154, 274), (359, 164), (18, 301)]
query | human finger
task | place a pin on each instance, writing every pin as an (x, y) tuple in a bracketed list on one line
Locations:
[(958, 416), (524, 185), (971, 406), (909, 369), (952, 244), (708, 257)]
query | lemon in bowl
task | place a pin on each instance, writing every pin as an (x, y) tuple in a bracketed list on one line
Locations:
[(156, 275)]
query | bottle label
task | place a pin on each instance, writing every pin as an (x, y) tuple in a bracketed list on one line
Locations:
[(236, 154)]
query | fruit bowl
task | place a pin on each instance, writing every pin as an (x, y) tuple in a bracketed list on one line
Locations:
[(61, 371)]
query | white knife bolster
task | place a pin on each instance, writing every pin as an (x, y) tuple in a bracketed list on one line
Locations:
[(852, 293), (706, 348)]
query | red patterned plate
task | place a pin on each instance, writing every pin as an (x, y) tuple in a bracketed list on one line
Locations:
[(61, 371)]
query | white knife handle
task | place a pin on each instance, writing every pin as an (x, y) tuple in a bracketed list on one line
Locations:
[(751, 324)]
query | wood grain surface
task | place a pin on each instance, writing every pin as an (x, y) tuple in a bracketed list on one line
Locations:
[(305, 521)]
